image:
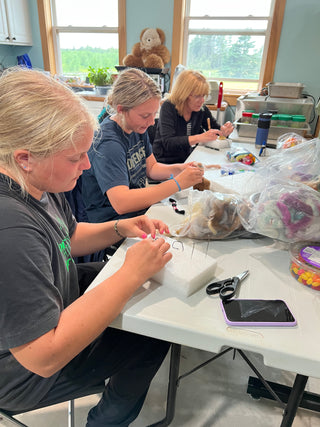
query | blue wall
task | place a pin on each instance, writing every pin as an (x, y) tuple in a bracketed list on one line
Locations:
[(8, 54), (299, 51), (153, 14), (298, 58)]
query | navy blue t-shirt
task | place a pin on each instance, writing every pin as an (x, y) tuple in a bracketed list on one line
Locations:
[(117, 158)]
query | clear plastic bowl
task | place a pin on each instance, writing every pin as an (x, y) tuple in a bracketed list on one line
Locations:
[(305, 263)]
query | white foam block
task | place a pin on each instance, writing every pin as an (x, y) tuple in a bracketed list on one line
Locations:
[(219, 143), (187, 271)]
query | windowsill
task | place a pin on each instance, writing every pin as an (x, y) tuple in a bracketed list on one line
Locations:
[(81, 86), (87, 92), (92, 97), (213, 107), (231, 96)]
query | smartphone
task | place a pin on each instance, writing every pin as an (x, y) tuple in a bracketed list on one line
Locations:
[(257, 312)]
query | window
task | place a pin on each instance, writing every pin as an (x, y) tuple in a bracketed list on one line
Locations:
[(78, 34), (231, 41)]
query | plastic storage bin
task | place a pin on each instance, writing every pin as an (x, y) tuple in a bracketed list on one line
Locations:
[(285, 90), (250, 130), (261, 104), (305, 263)]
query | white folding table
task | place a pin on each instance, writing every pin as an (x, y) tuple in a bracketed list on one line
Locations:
[(197, 321)]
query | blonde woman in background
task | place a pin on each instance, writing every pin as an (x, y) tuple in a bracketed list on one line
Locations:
[(54, 338), (183, 120)]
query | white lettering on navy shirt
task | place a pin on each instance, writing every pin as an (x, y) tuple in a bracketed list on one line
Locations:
[(136, 164)]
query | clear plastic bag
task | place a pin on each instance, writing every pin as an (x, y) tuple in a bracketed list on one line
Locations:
[(299, 163), (284, 210), (212, 216), (234, 168), (288, 140), (242, 155)]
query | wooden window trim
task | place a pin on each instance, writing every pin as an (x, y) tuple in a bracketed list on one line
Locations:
[(122, 30), (45, 23), (272, 40)]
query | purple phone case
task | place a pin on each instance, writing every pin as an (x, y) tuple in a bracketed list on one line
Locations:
[(246, 323)]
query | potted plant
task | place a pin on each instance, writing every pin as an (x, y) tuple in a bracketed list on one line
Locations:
[(102, 78)]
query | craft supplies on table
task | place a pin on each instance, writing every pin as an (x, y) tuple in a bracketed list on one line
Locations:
[(226, 288), (305, 264), (242, 155), (187, 271), (219, 143)]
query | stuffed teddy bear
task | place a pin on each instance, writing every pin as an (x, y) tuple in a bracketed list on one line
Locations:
[(205, 184), (150, 52)]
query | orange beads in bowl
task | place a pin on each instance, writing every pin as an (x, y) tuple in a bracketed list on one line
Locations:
[(305, 264)]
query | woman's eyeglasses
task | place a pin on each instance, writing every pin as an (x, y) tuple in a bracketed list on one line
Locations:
[(198, 97)]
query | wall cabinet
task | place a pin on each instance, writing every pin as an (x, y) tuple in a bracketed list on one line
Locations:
[(15, 26)]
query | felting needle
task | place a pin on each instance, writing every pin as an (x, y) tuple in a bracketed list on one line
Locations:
[(193, 244), (207, 248)]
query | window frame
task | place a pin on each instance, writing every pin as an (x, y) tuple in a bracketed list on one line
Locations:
[(273, 33), (47, 34)]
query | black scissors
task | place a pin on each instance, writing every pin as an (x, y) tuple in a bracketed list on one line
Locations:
[(226, 288)]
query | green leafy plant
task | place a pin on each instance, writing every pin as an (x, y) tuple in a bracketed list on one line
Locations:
[(100, 76)]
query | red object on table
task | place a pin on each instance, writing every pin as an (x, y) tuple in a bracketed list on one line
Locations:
[(220, 94)]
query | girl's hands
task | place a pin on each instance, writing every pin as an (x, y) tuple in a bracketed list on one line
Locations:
[(192, 174), (147, 257), (194, 164), (141, 226), (227, 128)]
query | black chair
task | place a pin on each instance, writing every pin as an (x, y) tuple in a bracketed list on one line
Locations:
[(152, 131), (9, 415), (75, 200)]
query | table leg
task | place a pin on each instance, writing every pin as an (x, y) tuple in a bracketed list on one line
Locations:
[(294, 400), (172, 386)]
